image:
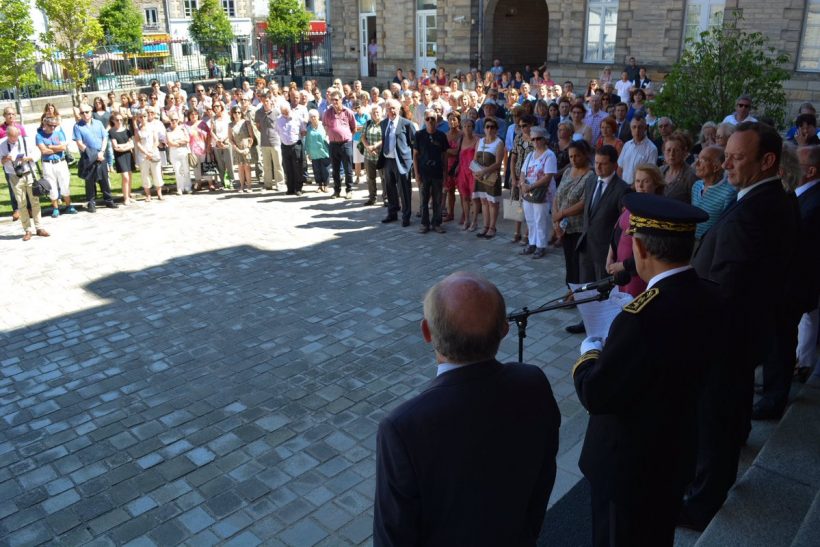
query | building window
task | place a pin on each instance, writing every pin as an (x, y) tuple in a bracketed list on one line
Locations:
[(701, 16), (151, 17), (189, 6), (187, 49), (809, 57), (230, 7), (310, 6), (367, 6), (602, 25)]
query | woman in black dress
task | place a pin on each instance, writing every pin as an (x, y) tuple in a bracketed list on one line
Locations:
[(123, 146)]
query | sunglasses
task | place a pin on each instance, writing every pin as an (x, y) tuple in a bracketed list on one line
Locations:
[(85, 111), (430, 119), (742, 105), (490, 127), (538, 138)]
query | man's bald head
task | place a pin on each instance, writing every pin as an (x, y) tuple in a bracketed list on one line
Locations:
[(12, 132), (465, 317)]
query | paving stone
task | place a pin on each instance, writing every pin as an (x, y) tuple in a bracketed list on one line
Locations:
[(229, 526), (223, 504), (195, 520), (303, 533)]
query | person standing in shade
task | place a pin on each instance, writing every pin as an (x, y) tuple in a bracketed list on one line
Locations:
[(340, 124), (430, 164), (92, 140), (471, 459), (396, 160), (642, 383)]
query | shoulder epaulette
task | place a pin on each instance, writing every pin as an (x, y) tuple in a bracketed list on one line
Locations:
[(588, 356), (642, 300)]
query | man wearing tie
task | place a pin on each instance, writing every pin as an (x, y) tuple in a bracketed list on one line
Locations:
[(396, 158), (602, 206)]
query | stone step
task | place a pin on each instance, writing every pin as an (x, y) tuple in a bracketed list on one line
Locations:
[(809, 532), (777, 496)]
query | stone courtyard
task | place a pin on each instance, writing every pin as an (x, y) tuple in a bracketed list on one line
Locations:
[(212, 369)]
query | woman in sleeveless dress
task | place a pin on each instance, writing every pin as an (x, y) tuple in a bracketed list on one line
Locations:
[(464, 177), (448, 196), (487, 172)]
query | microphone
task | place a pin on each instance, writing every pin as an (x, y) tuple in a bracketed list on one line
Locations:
[(621, 278)]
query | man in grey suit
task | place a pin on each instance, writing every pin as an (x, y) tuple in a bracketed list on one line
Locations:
[(396, 158), (602, 206)]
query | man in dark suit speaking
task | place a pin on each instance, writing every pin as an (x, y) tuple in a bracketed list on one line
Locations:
[(396, 158), (471, 459)]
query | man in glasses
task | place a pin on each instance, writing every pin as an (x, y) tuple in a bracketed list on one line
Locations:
[(92, 140), (52, 142), (9, 120), (743, 111), (429, 162)]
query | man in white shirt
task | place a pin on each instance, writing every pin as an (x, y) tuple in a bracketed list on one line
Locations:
[(743, 111), (637, 151), (18, 157), (623, 86)]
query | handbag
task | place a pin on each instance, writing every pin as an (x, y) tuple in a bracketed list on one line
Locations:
[(513, 209), (193, 161), (209, 167), (41, 186)]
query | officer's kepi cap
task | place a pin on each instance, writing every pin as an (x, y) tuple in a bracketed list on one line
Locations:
[(657, 215)]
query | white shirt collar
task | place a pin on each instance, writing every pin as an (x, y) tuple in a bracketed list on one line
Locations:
[(741, 193), (608, 179), (667, 273), (805, 187), (447, 367)]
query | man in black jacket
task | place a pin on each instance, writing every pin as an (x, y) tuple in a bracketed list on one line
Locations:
[(471, 459), (749, 253), (641, 384)]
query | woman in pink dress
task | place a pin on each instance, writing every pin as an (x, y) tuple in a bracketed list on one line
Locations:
[(464, 176), (648, 180), (448, 196)]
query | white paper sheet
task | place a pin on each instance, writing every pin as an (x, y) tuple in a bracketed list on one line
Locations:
[(598, 316)]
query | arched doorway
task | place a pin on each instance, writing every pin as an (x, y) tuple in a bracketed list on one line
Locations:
[(519, 33)]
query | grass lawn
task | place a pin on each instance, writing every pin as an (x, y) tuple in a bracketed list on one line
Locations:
[(78, 190)]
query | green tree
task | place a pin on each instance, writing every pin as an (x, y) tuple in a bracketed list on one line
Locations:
[(713, 71), (17, 50), (287, 21), (121, 22), (211, 30), (73, 32)]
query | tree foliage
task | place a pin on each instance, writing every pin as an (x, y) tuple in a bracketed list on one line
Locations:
[(287, 20), (712, 72), (17, 50), (122, 24), (211, 29), (73, 32)]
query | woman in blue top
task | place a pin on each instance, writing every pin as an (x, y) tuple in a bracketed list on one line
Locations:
[(317, 150)]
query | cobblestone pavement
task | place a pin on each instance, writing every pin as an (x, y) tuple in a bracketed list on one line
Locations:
[(212, 368)]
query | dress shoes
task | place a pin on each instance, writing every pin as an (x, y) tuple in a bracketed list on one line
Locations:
[(578, 328), (112, 205), (91, 208), (539, 253), (405, 223), (528, 250), (26, 236), (389, 218), (424, 229), (766, 410), (439, 230), (42, 233)]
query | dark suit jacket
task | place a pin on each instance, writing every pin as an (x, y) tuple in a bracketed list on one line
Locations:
[(625, 132), (807, 285), (641, 392), (88, 168), (598, 225), (749, 252), (404, 145), (469, 461)]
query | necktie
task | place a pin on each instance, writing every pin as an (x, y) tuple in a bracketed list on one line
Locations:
[(387, 134), (597, 196)]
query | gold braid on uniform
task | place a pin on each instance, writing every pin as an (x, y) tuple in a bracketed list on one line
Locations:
[(636, 222), (588, 356)]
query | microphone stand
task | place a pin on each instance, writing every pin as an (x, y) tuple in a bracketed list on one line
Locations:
[(520, 317)]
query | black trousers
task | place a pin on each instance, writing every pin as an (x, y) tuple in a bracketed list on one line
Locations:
[(292, 165), (399, 191), (341, 157), (778, 368), (571, 260), (648, 522), (105, 186), (430, 186)]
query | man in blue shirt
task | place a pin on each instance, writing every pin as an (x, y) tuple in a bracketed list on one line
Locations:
[(52, 142), (92, 139)]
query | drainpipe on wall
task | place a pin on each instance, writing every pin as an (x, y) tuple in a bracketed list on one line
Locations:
[(480, 35)]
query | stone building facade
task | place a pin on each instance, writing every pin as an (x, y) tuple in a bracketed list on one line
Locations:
[(575, 38)]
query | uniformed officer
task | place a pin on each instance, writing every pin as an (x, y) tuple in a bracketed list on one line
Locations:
[(641, 384)]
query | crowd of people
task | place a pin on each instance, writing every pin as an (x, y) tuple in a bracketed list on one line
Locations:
[(568, 158)]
